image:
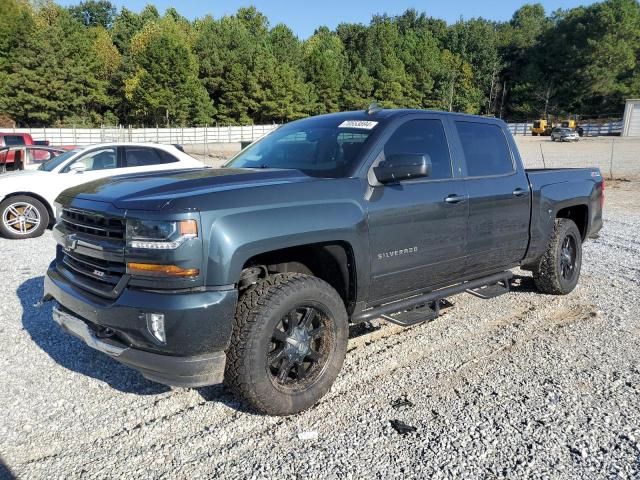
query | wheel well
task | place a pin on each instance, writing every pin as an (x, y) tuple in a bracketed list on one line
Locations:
[(52, 215), (580, 216), (334, 263)]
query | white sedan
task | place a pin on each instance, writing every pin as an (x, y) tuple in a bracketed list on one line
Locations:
[(27, 196)]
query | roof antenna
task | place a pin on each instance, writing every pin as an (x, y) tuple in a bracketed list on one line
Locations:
[(373, 108)]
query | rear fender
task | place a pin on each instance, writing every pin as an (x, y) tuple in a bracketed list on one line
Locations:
[(549, 200)]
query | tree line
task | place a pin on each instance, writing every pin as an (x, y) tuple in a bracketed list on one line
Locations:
[(91, 64)]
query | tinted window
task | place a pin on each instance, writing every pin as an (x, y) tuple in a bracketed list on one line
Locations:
[(142, 157), (319, 147), (11, 140), (424, 137), (485, 149), (102, 159)]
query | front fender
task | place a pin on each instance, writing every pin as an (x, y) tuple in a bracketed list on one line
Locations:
[(236, 235)]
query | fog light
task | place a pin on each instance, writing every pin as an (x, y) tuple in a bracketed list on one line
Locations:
[(155, 324)]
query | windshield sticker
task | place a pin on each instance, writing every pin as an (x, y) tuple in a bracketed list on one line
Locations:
[(363, 124)]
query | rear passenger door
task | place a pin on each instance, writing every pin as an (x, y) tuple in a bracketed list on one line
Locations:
[(499, 203), (417, 228)]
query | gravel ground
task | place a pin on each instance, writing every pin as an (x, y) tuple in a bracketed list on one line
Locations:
[(521, 386)]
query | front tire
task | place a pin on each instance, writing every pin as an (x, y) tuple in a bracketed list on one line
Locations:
[(288, 344), (558, 271), (22, 217)]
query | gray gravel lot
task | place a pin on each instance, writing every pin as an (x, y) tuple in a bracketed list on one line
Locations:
[(521, 386)]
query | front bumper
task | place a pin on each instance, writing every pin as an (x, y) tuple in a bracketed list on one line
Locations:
[(194, 371), (198, 328)]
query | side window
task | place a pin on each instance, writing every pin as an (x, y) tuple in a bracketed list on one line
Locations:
[(142, 157), (37, 156), (13, 140), (485, 149), (424, 137), (102, 159)]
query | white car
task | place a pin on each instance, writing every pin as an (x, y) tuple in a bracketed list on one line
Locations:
[(27, 196)]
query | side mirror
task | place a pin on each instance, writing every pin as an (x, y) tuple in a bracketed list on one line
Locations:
[(401, 167), (77, 167)]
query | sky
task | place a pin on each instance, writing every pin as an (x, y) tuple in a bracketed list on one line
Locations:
[(304, 17)]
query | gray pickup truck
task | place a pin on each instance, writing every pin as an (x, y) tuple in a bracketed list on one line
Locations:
[(251, 274)]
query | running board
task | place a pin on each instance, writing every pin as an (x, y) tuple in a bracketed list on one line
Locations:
[(415, 315), (420, 308), (491, 291)]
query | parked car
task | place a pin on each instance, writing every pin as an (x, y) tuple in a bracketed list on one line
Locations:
[(27, 197), (8, 157), (251, 274), (27, 157), (564, 135)]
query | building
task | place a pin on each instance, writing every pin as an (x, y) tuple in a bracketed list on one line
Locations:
[(631, 123)]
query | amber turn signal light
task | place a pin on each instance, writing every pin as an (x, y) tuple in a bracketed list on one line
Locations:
[(188, 228), (153, 270)]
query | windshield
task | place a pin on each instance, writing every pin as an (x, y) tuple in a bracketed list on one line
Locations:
[(317, 147), (56, 161)]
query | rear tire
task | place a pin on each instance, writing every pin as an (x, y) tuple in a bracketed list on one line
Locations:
[(288, 345), (23, 216), (558, 271)]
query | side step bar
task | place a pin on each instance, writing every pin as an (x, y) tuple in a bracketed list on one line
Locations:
[(428, 303)]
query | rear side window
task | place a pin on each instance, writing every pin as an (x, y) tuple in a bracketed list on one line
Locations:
[(11, 140), (142, 157), (485, 149), (424, 137)]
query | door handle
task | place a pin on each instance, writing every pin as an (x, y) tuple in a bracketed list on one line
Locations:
[(520, 192), (453, 199)]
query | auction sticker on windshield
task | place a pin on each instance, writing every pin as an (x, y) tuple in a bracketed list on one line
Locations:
[(363, 124)]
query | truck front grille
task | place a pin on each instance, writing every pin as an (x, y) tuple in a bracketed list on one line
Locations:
[(96, 269), (92, 223)]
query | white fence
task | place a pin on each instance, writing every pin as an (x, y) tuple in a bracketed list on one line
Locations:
[(184, 136), (208, 135), (590, 129)]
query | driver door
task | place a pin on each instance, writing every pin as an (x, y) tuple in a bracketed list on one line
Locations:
[(417, 228)]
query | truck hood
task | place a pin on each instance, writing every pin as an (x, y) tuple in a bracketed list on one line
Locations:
[(163, 190)]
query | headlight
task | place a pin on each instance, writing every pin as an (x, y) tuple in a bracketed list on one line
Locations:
[(159, 235)]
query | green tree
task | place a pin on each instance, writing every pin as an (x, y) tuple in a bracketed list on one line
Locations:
[(17, 25), (519, 41), (324, 63), (393, 87), (476, 41), (55, 76), (164, 87), (455, 87), (94, 13)]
